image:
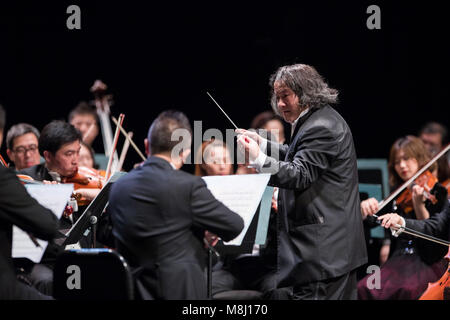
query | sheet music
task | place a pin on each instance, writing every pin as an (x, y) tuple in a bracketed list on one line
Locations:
[(53, 197), (241, 194)]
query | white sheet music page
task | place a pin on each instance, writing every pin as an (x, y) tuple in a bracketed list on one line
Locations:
[(51, 196), (241, 194)]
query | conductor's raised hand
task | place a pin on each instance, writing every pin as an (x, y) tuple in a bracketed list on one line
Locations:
[(248, 133), (249, 147)]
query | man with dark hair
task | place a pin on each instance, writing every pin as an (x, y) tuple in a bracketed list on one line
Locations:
[(160, 215), (434, 136), (18, 208), (59, 144), (320, 235), (84, 118), (22, 146)]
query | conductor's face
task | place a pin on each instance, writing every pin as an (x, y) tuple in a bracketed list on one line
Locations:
[(287, 102)]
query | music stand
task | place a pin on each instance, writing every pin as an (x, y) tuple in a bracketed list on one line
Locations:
[(257, 231), (256, 234), (91, 215)]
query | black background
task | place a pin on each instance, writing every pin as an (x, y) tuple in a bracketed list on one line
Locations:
[(167, 55)]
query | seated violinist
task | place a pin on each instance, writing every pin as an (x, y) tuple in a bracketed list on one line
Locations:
[(410, 266), (22, 146), (59, 144)]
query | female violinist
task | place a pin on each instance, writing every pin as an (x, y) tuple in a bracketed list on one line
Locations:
[(410, 266)]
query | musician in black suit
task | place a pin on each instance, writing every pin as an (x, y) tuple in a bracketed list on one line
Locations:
[(18, 208), (320, 233), (160, 214)]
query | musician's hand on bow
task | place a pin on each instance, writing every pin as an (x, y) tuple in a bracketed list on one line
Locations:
[(391, 220), (249, 147), (211, 238), (369, 207)]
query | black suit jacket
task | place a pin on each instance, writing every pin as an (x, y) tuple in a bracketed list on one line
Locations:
[(18, 208), (321, 233), (438, 225), (159, 216)]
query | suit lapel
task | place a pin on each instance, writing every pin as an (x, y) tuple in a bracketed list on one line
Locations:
[(298, 125)]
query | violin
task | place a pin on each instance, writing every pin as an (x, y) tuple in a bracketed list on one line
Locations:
[(427, 181), (446, 185), (22, 177), (85, 178), (438, 290)]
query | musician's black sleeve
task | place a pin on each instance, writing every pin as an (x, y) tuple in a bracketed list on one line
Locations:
[(438, 226), (212, 215)]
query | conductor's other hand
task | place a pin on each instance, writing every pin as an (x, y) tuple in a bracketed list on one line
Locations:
[(249, 147), (211, 238), (251, 134), (369, 207)]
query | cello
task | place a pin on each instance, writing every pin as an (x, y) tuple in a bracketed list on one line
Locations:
[(439, 290)]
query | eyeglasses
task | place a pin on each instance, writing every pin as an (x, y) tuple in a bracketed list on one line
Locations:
[(23, 150)]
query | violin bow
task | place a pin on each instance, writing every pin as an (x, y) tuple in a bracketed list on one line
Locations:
[(128, 138), (123, 154), (383, 203), (116, 139)]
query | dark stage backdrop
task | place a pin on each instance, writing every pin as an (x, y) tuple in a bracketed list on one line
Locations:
[(167, 55)]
